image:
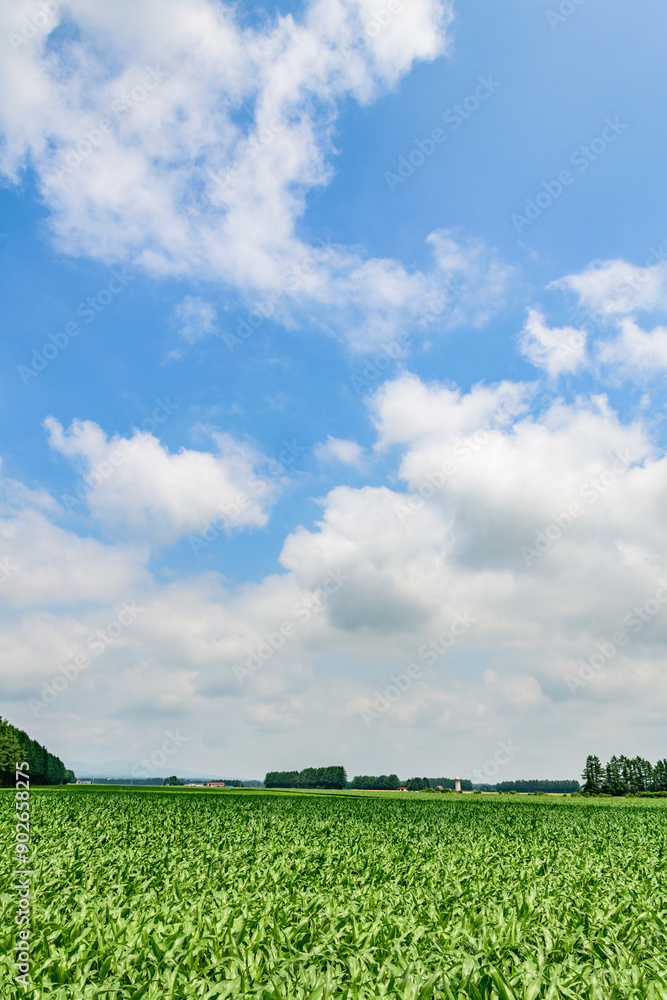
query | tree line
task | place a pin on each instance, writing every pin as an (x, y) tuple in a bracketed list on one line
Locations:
[(422, 784), (17, 747), (310, 777), (537, 785), (391, 782), (377, 782), (624, 776), (335, 777), (174, 780)]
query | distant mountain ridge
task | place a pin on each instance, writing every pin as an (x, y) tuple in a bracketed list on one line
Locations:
[(127, 769)]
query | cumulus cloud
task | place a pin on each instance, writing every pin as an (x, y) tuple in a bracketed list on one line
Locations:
[(374, 586), (635, 350), (555, 349), (43, 564), (407, 409), (609, 296), (137, 484), (189, 144), (497, 473), (340, 450), (195, 319), (614, 288)]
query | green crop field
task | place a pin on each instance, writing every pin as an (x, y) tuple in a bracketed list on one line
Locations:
[(142, 895)]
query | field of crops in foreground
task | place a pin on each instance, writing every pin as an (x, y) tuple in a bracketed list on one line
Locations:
[(158, 895)]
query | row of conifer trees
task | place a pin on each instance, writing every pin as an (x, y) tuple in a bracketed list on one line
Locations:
[(623, 776), (310, 777), (16, 747)]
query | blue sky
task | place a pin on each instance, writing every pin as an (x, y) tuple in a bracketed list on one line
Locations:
[(405, 314)]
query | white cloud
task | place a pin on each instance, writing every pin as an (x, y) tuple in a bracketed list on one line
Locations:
[(137, 484), (47, 565), (635, 350), (340, 450), (195, 319), (406, 410), (610, 294), (367, 591), (497, 475), (612, 288), (555, 349), (189, 144)]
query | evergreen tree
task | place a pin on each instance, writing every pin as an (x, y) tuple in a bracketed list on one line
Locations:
[(660, 777), (417, 784), (382, 782), (593, 776), (626, 776), (16, 747), (614, 779), (644, 774), (310, 777), (9, 751)]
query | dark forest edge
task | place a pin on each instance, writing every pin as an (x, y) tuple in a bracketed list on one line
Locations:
[(16, 747), (625, 776), (311, 777), (336, 777)]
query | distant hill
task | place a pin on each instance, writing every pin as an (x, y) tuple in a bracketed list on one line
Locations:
[(126, 769)]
